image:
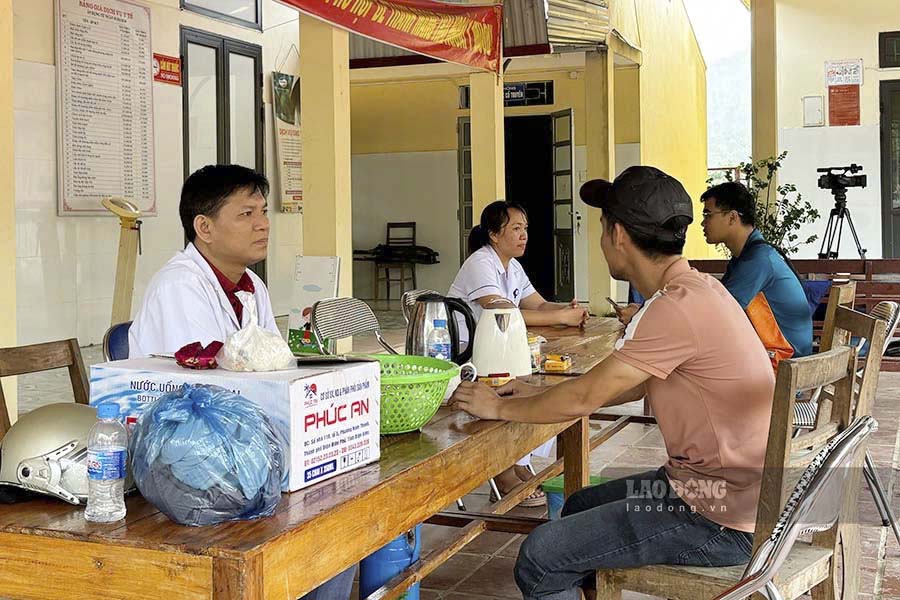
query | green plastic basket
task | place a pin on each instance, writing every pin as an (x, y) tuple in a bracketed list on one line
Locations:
[(412, 388)]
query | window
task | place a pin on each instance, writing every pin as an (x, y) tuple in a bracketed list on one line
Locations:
[(889, 49), (241, 12), (223, 116)]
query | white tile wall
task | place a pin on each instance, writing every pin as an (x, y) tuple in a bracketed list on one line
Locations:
[(65, 266)]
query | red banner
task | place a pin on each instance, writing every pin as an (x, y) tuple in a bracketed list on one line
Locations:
[(464, 34)]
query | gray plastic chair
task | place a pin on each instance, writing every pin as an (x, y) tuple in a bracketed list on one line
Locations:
[(337, 318), (805, 418), (814, 505)]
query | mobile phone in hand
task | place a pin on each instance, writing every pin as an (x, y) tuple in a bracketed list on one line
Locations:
[(616, 306)]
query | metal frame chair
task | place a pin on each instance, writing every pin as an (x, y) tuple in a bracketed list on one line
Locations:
[(805, 413), (112, 342), (814, 506), (337, 318)]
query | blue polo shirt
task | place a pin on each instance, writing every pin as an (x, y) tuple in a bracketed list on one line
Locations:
[(760, 269)]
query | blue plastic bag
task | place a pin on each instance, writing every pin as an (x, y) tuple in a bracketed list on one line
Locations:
[(204, 454)]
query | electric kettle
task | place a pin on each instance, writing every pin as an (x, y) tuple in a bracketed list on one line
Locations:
[(501, 341), (434, 307)]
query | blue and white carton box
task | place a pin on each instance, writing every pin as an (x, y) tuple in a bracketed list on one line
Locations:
[(327, 418)]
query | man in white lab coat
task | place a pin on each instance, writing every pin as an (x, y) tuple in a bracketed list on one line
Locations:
[(193, 297)]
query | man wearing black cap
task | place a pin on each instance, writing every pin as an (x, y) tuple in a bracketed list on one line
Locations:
[(692, 352)]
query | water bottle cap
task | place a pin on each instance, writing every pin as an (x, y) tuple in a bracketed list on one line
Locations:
[(440, 322), (108, 410)]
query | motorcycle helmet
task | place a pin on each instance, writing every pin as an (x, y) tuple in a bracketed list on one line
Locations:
[(46, 451)]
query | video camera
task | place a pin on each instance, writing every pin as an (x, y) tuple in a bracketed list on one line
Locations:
[(839, 180)]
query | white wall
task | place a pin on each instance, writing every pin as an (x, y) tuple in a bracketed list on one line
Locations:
[(814, 147), (811, 32), (65, 267), (627, 155), (407, 186)]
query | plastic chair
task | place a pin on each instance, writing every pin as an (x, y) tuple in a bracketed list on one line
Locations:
[(814, 506), (338, 318), (115, 342)]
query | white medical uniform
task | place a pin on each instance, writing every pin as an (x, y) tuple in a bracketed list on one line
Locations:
[(185, 303), (483, 275)]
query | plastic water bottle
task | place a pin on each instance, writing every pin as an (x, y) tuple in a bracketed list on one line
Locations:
[(107, 451), (438, 342)]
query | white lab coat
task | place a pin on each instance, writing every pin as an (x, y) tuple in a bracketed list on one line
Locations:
[(185, 303)]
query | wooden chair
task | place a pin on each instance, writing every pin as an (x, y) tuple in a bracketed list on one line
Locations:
[(815, 505), (43, 357), (840, 295), (399, 235), (811, 566)]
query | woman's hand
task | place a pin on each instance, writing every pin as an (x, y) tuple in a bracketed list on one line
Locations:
[(574, 317)]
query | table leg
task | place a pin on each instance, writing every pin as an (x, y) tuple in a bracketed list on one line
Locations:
[(576, 451), (236, 579)]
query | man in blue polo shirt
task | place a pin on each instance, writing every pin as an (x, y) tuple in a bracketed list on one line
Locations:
[(758, 276)]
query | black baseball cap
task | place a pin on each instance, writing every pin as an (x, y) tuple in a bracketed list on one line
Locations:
[(644, 199)]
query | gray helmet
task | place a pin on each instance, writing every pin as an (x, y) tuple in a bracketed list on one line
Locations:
[(46, 451)]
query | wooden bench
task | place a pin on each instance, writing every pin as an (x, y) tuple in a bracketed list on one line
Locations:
[(876, 280)]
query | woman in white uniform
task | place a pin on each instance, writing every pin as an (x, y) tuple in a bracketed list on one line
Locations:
[(492, 271)]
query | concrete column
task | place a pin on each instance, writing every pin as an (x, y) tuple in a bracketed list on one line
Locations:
[(7, 200), (764, 79), (599, 88), (325, 117), (488, 158)]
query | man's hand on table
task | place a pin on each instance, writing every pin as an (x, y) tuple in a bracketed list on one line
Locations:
[(477, 399), (517, 387)]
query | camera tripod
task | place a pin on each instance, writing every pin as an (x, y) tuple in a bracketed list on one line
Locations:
[(835, 227)]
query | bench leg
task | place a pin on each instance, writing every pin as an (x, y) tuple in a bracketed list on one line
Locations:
[(607, 589)]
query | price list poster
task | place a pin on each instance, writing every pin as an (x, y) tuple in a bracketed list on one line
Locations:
[(105, 105)]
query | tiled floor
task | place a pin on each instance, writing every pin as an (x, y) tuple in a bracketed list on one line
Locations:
[(484, 568)]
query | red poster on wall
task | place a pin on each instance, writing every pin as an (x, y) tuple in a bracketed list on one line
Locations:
[(460, 33), (843, 105), (166, 69)]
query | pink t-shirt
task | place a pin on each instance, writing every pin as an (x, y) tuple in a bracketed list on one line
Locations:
[(711, 391)]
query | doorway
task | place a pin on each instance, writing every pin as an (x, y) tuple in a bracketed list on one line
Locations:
[(890, 168), (529, 182)]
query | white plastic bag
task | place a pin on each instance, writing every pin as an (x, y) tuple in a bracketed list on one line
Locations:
[(253, 348)]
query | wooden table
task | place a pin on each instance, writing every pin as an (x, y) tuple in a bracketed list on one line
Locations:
[(48, 550)]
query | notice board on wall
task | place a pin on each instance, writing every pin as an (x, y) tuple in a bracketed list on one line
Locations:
[(843, 105), (104, 105)]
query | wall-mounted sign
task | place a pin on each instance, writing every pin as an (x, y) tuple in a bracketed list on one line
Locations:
[(843, 105), (844, 72), (288, 141), (525, 93), (104, 105), (166, 69)]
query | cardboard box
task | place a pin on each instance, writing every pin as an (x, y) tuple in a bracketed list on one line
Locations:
[(327, 418)]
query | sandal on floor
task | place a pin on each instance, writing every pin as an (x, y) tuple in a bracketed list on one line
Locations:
[(536, 499)]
